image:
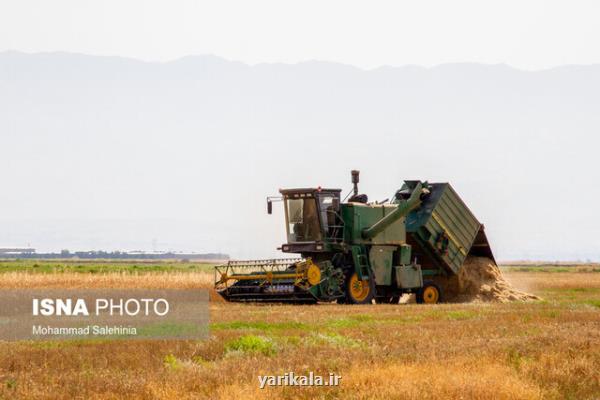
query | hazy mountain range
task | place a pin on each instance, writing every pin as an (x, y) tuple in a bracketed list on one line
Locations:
[(114, 153)]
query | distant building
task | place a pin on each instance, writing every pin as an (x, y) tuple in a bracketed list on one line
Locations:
[(12, 253), (16, 251)]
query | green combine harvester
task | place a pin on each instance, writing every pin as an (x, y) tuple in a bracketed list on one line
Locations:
[(358, 252)]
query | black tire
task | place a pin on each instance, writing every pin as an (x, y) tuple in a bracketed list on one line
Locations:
[(367, 292), (430, 293), (450, 287)]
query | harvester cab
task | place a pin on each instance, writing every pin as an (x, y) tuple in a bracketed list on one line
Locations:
[(313, 221), (359, 252)]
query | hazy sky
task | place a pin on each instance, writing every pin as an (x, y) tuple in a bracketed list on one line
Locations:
[(525, 34), (131, 155)]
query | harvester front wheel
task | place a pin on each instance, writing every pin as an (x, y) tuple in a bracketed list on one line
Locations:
[(359, 291), (430, 293)]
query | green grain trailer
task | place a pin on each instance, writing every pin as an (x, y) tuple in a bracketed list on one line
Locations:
[(356, 251)]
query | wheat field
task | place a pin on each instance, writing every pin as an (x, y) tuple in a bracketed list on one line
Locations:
[(548, 349)]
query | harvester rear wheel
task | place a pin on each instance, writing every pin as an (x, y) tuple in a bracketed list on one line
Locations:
[(430, 293), (449, 286), (359, 291)]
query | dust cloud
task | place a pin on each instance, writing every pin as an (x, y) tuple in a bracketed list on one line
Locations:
[(480, 279)]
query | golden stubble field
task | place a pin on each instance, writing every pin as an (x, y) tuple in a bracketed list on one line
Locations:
[(548, 349)]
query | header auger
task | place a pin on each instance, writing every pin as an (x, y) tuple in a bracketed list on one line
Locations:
[(356, 252)]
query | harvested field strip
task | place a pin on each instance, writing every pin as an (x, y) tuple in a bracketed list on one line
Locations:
[(103, 266)]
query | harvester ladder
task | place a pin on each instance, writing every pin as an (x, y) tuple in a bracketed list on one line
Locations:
[(361, 262)]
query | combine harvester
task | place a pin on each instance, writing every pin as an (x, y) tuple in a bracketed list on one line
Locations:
[(356, 252)]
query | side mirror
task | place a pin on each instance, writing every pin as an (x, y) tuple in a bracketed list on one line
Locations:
[(269, 206)]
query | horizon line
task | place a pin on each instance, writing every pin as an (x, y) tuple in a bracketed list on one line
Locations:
[(297, 63)]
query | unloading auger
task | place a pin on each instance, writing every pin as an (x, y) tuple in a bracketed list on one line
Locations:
[(356, 252)]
